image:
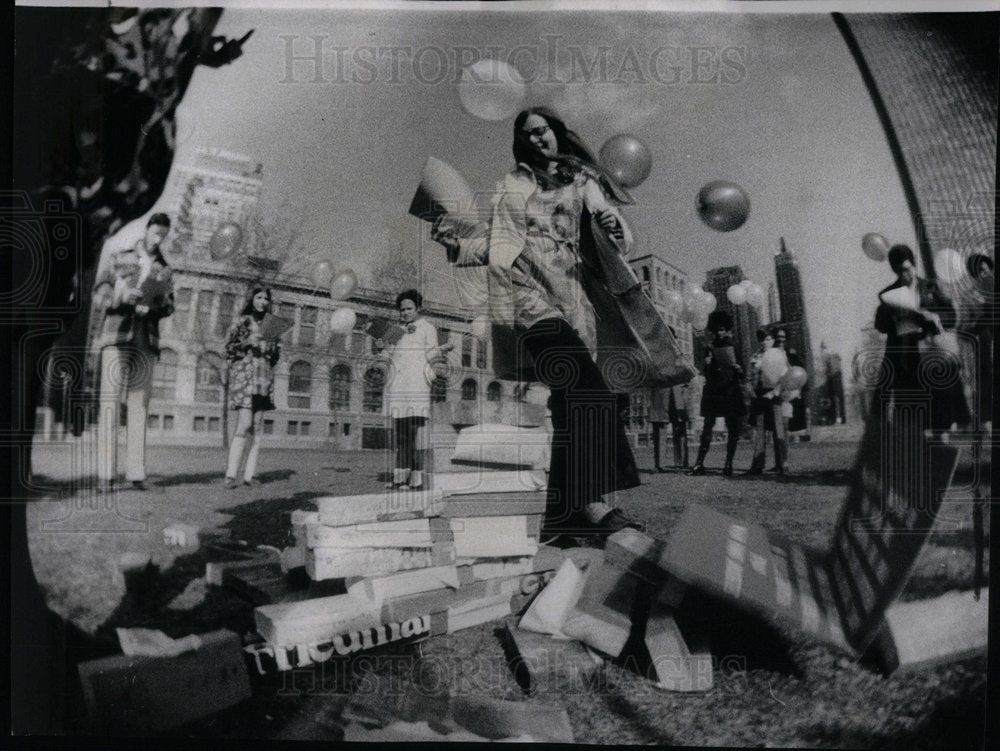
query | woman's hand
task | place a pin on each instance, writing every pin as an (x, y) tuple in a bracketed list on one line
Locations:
[(131, 296), (446, 237), (610, 223)]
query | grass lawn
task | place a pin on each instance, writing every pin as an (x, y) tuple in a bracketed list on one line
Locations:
[(773, 686)]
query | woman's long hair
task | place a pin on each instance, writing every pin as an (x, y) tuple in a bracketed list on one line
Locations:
[(573, 156), (248, 308)]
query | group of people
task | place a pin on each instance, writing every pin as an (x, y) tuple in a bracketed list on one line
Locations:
[(551, 218)]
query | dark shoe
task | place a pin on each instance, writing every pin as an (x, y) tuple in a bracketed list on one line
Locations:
[(776, 471), (728, 470), (252, 482), (230, 483), (697, 469), (753, 472), (139, 485), (615, 521)]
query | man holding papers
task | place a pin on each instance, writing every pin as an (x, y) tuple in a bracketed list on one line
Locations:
[(135, 295), (914, 314)]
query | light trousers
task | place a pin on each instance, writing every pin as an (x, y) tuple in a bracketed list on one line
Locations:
[(125, 372)]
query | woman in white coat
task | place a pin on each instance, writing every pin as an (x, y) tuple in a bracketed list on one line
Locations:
[(408, 390)]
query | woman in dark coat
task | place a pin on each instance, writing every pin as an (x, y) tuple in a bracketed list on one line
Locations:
[(723, 392)]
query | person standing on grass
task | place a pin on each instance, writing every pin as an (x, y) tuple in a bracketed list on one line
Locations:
[(723, 392), (408, 392), (766, 407), (251, 360), (135, 296)]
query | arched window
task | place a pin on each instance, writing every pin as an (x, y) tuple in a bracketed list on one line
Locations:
[(340, 387), (300, 384), (208, 379), (494, 391), (165, 375), (439, 389), (374, 385), (470, 389), (467, 344)]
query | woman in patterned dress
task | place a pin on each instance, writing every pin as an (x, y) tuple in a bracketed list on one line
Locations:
[(532, 247), (251, 362)]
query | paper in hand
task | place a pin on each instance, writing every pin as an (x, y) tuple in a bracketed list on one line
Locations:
[(272, 327), (443, 192), (387, 331)]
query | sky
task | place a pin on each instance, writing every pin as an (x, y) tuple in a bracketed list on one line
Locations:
[(771, 102)]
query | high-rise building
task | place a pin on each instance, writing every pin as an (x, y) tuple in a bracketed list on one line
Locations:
[(745, 317), (793, 309), (773, 308)]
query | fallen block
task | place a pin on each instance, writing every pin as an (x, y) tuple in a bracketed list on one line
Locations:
[(334, 563), (359, 509), (551, 558), (216, 571), (487, 481), (316, 620), (442, 542), (672, 664), (141, 695), (293, 557), (492, 537), (602, 616), (500, 718), (541, 663), (475, 612), (944, 629), (408, 533), (547, 612), (495, 504), (636, 552)]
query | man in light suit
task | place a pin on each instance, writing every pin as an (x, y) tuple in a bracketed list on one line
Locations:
[(135, 294)]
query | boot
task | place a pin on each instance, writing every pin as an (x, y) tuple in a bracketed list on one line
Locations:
[(699, 463)]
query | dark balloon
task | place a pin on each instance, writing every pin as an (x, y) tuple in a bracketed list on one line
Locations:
[(723, 206)]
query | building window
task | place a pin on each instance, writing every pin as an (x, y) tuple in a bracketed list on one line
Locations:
[(347, 428), (168, 422), (374, 385), (152, 422), (227, 309), (331, 430), (182, 308), (293, 427), (358, 341), (481, 354), (299, 385), (494, 392), (304, 427), (199, 425), (203, 313), (165, 375), (214, 424), (208, 379), (470, 389), (467, 350), (268, 427), (439, 389), (307, 326), (338, 343), (287, 311), (645, 273), (340, 387)]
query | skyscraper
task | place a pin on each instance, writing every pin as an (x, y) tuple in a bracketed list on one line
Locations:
[(745, 317), (793, 309)]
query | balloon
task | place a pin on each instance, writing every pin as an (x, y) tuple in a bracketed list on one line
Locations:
[(342, 320), (875, 246), (481, 327), (674, 301), (706, 302), (699, 321), (322, 273), (491, 90), (689, 311), (736, 294), (627, 159), (755, 295), (949, 265), (344, 285), (226, 240), (723, 205), (794, 379), (773, 365)]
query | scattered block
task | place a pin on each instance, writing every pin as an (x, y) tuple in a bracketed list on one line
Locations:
[(216, 571), (551, 558), (541, 663), (503, 444), (672, 665), (485, 481), (293, 557), (360, 509), (547, 612), (153, 643), (474, 612), (492, 537), (602, 616), (408, 533), (636, 552), (333, 563), (500, 718), (141, 695), (316, 620), (947, 628)]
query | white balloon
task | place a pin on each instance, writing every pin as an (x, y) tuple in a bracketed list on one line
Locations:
[(481, 327), (773, 366), (342, 320), (491, 89), (736, 294), (755, 295), (706, 302), (674, 301), (949, 266)]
